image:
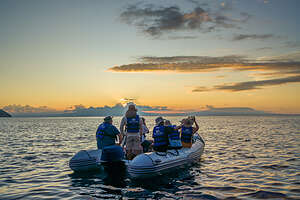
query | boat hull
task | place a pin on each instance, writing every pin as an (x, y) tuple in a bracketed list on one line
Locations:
[(86, 160), (144, 165), (153, 164)]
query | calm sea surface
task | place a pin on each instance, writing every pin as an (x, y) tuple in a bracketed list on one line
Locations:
[(244, 158)]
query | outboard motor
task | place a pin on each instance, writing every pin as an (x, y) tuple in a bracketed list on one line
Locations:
[(112, 153), (112, 159)]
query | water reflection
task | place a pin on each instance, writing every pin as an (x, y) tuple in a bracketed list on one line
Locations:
[(113, 180), (244, 158), (86, 179), (115, 173)]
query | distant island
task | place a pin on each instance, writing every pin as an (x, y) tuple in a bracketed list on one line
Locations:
[(119, 110), (4, 114)]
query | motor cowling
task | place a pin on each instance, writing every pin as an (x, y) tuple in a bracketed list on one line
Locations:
[(112, 153)]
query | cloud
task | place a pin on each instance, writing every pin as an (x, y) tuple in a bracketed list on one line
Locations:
[(245, 17), (287, 57), (180, 64), (240, 37), (249, 85), (127, 100), (201, 89), (119, 110), (187, 37), (19, 109), (263, 48), (284, 64), (194, 59), (156, 21), (211, 110), (292, 44), (80, 110)]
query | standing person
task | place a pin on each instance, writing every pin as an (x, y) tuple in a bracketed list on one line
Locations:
[(145, 130), (134, 130), (187, 131), (145, 143), (159, 135), (173, 135), (107, 133)]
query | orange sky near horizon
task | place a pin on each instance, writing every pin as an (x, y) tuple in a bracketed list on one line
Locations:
[(171, 90)]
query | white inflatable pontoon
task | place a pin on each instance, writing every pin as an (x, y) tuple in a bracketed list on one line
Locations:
[(86, 160), (156, 163), (144, 165)]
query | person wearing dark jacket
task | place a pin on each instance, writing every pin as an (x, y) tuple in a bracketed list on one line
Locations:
[(107, 133), (187, 131), (160, 137), (173, 135)]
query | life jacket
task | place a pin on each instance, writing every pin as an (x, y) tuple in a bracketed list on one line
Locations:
[(174, 137), (133, 124), (159, 136), (101, 130), (186, 134), (175, 133), (103, 137)]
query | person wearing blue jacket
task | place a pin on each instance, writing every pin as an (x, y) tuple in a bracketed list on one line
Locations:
[(132, 127), (173, 135), (161, 141), (107, 133), (187, 131)]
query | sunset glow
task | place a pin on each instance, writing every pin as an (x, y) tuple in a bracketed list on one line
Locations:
[(222, 54)]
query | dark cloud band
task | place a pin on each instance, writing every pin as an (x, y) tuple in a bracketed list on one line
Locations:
[(249, 85), (252, 37), (207, 64), (282, 66)]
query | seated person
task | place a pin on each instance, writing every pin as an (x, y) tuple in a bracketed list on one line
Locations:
[(107, 133), (187, 131), (173, 135), (160, 137)]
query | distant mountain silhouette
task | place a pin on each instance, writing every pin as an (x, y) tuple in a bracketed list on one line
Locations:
[(229, 111), (4, 114), (144, 110)]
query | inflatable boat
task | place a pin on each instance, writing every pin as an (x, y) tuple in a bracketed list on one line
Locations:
[(156, 163), (91, 160), (144, 165), (86, 160)]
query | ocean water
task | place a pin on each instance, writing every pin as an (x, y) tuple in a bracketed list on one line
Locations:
[(244, 158)]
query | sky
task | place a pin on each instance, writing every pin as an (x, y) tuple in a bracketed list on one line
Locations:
[(183, 55)]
